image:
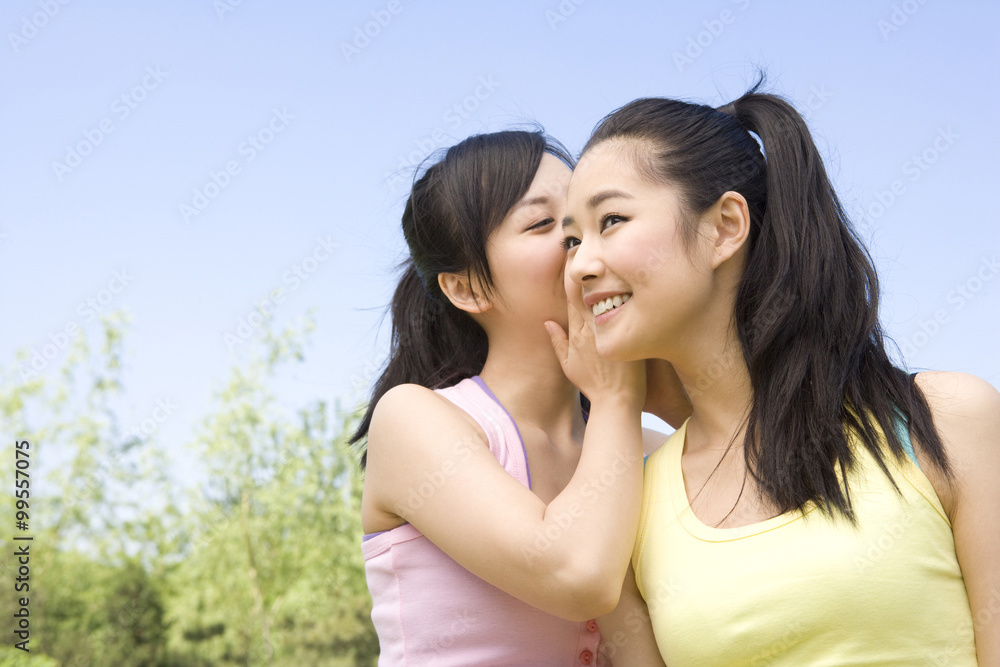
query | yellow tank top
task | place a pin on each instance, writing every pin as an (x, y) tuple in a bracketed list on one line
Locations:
[(802, 588)]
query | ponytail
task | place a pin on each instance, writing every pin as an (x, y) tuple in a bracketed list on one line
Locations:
[(818, 360), (806, 308), (433, 344), (452, 210)]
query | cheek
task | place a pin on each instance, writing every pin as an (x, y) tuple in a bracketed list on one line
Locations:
[(570, 287), (653, 262), (544, 265), (637, 266), (531, 274)]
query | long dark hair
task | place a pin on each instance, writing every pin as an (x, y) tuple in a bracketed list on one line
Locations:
[(806, 310), (452, 210)]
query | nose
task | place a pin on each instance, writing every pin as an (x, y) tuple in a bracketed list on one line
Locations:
[(585, 264)]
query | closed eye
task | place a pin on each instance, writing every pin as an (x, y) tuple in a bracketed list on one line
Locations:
[(541, 224)]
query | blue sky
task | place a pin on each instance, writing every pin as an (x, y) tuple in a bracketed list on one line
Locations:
[(185, 159)]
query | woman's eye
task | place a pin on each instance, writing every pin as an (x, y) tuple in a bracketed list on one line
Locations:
[(611, 219), (570, 242), (542, 223)]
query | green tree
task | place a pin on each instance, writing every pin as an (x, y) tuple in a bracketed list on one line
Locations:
[(91, 599), (275, 576), (261, 566)]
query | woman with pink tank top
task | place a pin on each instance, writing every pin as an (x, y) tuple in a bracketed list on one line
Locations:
[(500, 515)]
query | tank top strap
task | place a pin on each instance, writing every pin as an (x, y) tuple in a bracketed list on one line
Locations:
[(504, 439)]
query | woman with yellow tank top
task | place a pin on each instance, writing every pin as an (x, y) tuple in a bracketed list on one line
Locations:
[(820, 506)]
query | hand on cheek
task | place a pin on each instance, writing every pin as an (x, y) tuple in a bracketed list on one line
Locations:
[(598, 378)]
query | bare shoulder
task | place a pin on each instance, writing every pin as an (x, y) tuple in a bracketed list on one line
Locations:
[(966, 413), (402, 401), (409, 409), (413, 431), (960, 401)]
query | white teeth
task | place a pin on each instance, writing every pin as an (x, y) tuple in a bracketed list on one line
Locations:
[(610, 303)]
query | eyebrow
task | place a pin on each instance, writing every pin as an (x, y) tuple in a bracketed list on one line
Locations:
[(542, 199), (596, 201)]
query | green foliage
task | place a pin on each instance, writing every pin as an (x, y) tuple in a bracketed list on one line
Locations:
[(260, 566), (95, 614), (275, 576), (90, 601), (12, 657)]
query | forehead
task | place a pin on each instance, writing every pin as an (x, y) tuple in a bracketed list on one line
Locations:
[(551, 180), (611, 163), (617, 166)]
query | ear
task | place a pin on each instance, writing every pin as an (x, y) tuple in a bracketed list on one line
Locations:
[(462, 293), (729, 226)]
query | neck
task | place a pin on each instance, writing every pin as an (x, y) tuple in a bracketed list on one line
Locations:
[(524, 374), (717, 380)]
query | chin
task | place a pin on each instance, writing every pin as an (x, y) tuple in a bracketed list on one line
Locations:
[(612, 351)]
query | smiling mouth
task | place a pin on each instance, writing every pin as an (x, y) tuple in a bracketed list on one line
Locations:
[(610, 303)]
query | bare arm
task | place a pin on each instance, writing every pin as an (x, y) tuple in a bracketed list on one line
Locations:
[(429, 465), (627, 633), (966, 412)]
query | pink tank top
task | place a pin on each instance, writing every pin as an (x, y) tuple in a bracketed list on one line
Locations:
[(429, 610)]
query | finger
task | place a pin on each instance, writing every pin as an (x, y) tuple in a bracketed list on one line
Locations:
[(577, 309), (578, 315), (560, 342)]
